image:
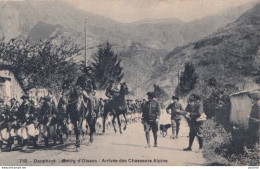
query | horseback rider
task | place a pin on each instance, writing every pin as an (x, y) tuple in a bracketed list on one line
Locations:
[(112, 89), (87, 84)]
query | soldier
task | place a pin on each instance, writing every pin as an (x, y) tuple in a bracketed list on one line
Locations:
[(87, 84), (48, 117), (111, 90), (13, 121), (254, 120), (150, 118), (194, 110), (3, 124), (176, 112), (26, 117)]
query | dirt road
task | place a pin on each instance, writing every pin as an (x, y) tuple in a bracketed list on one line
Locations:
[(113, 149)]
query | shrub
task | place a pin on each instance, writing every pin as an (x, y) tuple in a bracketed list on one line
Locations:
[(227, 148)]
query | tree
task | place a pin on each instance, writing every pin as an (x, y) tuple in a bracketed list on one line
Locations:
[(44, 64), (160, 93), (106, 66), (188, 80)]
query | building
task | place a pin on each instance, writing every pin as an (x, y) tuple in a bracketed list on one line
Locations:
[(241, 106), (9, 85)]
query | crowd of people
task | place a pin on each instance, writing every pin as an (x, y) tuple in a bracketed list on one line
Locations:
[(23, 123)]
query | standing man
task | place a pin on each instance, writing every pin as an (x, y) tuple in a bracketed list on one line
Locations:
[(254, 120), (150, 118), (194, 110), (176, 112)]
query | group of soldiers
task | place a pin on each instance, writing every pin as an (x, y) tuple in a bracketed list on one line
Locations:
[(23, 123), (193, 114)]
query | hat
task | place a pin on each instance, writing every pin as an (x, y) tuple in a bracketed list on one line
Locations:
[(87, 69), (25, 97), (175, 98), (254, 95), (194, 97), (46, 98), (13, 99), (151, 94)]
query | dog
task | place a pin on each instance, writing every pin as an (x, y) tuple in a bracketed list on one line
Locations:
[(164, 128)]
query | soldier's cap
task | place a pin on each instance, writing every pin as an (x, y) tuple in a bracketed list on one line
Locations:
[(175, 98), (194, 97), (87, 69), (25, 97), (12, 99), (254, 95), (151, 94), (46, 98)]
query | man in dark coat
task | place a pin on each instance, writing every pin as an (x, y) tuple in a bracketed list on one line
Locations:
[(87, 84), (3, 122), (150, 118), (26, 117), (111, 90), (48, 116), (194, 110), (176, 112), (254, 120)]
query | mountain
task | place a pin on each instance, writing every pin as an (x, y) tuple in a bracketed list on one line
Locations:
[(231, 55), (142, 44)]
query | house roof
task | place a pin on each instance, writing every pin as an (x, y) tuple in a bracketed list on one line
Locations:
[(244, 92)]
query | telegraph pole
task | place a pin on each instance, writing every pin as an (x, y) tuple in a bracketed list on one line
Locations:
[(85, 33)]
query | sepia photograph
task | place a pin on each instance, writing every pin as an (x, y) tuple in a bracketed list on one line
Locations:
[(129, 83)]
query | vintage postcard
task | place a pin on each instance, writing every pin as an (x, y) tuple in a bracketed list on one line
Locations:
[(129, 82)]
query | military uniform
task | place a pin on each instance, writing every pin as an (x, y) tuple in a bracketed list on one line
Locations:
[(47, 111), (150, 118), (111, 90), (88, 85), (195, 109), (254, 124), (176, 112)]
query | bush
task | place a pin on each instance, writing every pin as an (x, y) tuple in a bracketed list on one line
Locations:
[(227, 148), (215, 137)]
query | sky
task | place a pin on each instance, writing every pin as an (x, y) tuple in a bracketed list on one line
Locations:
[(127, 11)]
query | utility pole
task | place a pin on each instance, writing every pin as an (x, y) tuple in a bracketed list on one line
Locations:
[(178, 83), (85, 33), (136, 82)]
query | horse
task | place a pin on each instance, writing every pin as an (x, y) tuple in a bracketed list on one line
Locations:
[(116, 106), (77, 109)]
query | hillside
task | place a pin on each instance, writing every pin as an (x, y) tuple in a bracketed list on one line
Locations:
[(231, 55), (142, 44)]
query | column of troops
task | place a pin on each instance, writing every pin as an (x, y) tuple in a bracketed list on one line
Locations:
[(22, 123), (25, 123)]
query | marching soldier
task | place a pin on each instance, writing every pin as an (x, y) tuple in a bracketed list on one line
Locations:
[(3, 125), (25, 118), (48, 117), (194, 110), (150, 118), (176, 112)]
